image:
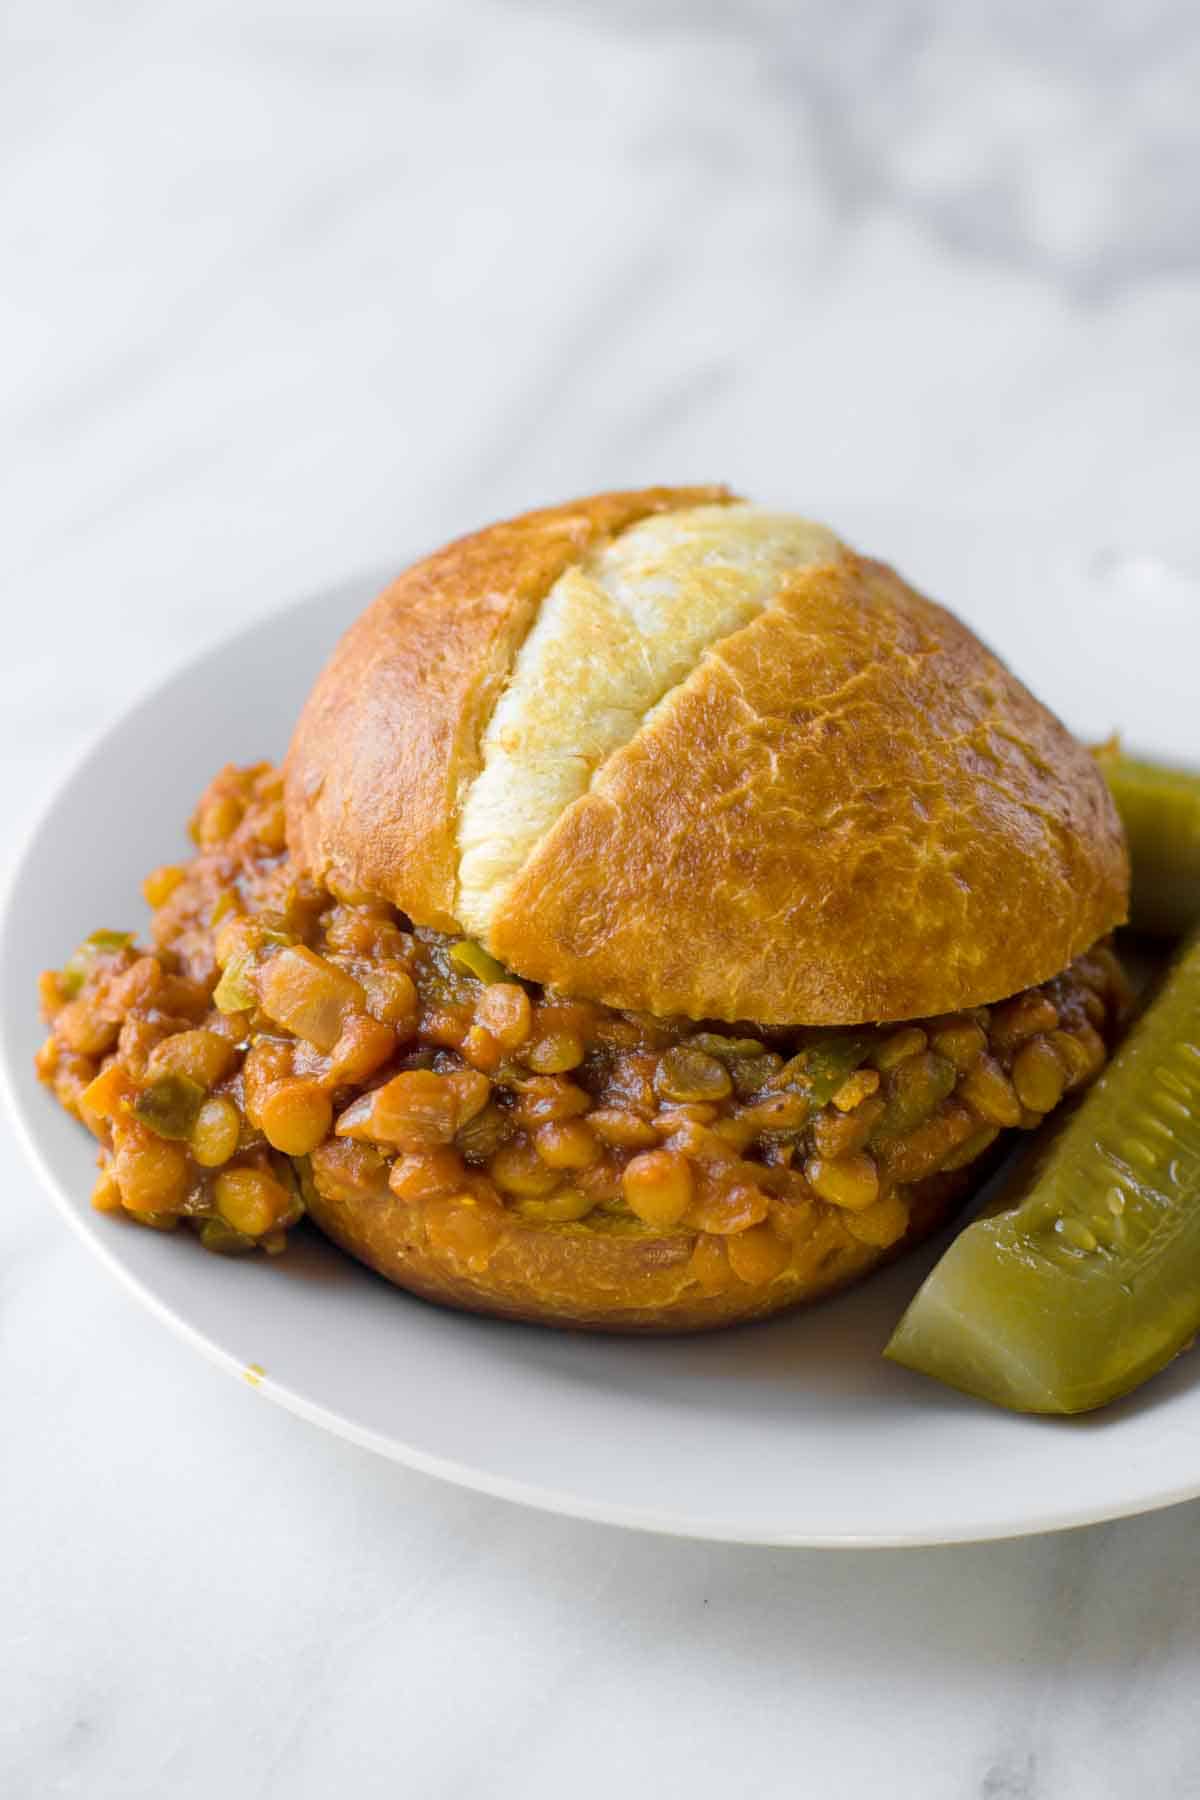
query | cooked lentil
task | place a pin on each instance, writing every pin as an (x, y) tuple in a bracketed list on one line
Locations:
[(278, 1035)]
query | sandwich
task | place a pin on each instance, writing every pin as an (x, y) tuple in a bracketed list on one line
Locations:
[(662, 917)]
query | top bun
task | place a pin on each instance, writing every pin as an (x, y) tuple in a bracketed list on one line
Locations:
[(680, 754)]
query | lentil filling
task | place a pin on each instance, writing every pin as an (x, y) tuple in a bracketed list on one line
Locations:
[(280, 1041)]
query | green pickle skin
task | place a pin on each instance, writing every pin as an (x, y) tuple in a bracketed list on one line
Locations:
[(1084, 1279), (1160, 810)]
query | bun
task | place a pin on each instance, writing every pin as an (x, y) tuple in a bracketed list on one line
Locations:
[(643, 1280), (684, 756)]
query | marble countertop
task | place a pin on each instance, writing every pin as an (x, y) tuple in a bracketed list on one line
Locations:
[(291, 292)]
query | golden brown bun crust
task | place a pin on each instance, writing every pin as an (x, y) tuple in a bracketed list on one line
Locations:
[(851, 811), (585, 1278), (389, 737)]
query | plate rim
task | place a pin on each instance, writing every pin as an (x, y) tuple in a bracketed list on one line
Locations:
[(537, 1495)]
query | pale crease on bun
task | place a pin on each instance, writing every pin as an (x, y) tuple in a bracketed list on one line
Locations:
[(686, 756)]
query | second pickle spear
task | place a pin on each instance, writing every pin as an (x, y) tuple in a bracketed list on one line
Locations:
[(1160, 810), (1085, 1280)]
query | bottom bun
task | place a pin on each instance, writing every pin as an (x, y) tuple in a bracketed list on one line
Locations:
[(614, 1274)]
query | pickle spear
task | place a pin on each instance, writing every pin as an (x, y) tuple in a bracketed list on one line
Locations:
[(1084, 1279), (1160, 810)]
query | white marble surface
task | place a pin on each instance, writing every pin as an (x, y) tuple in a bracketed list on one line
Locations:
[(290, 290)]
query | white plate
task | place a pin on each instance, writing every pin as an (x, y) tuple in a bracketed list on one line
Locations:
[(793, 1432)]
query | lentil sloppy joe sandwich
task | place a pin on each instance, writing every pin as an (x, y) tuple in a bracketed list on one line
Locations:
[(661, 914)]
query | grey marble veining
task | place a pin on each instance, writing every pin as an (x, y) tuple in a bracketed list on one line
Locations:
[(289, 292)]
